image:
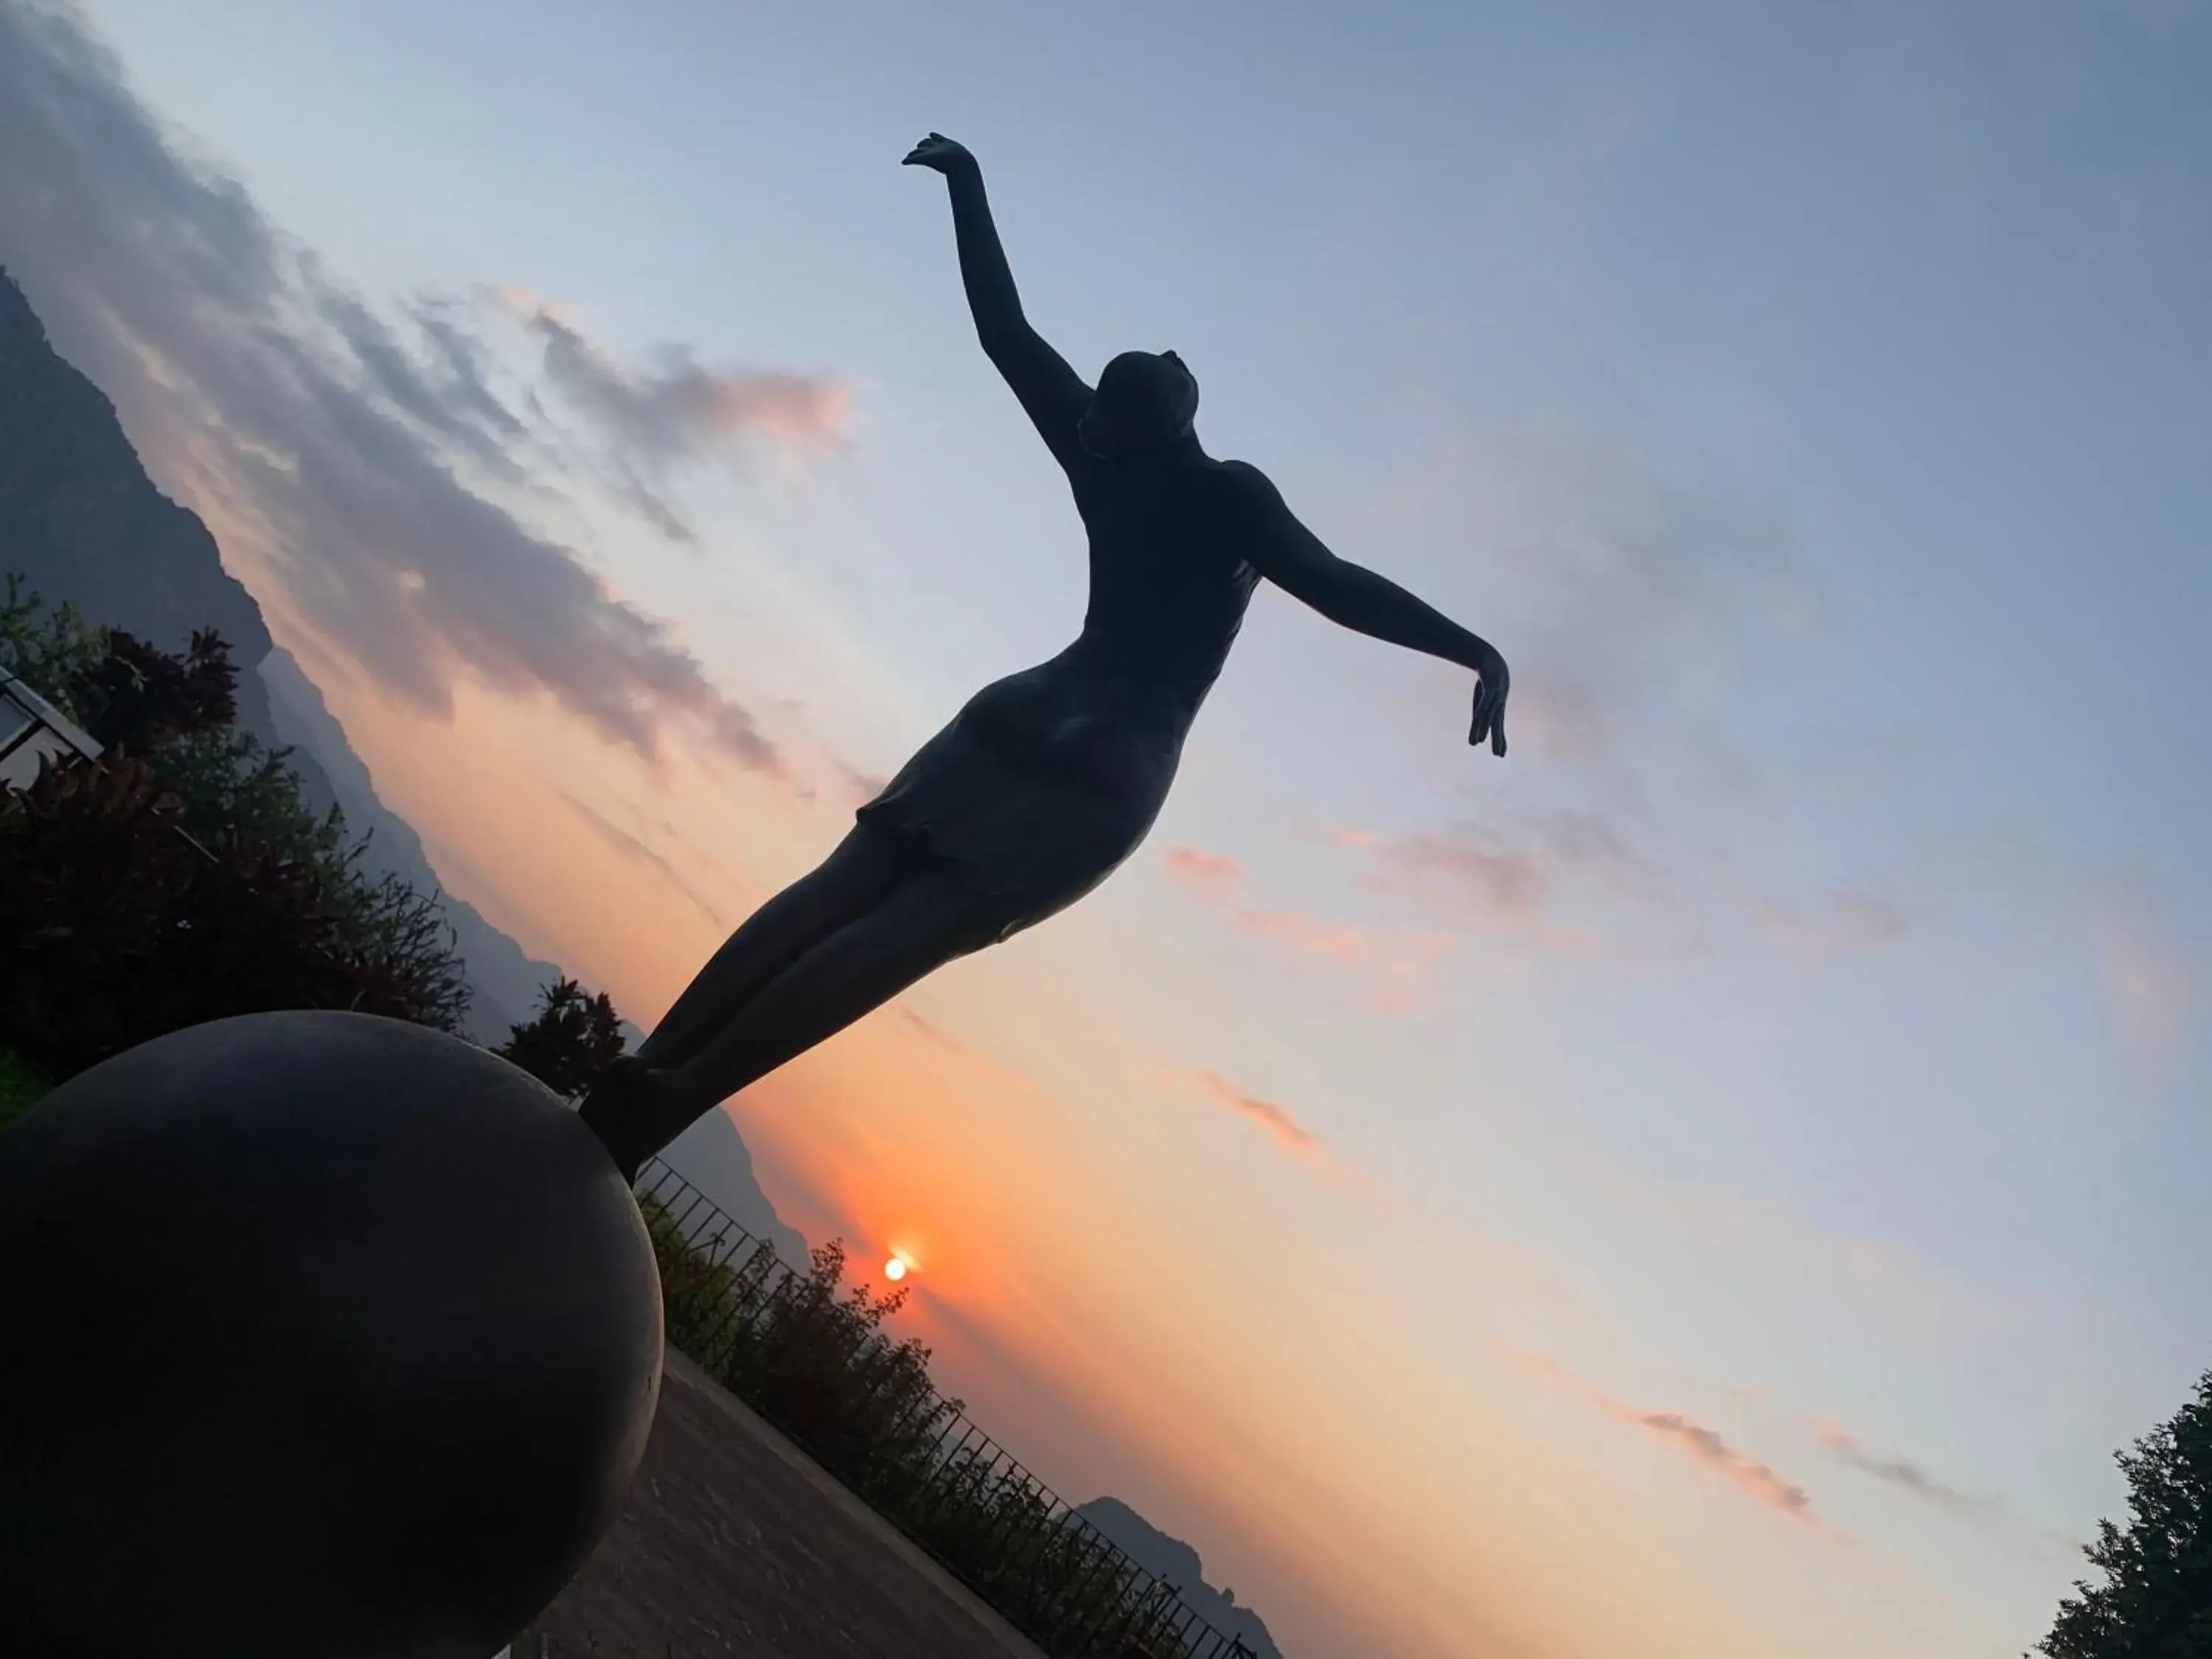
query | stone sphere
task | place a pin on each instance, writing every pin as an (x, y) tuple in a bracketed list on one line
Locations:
[(325, 1337)]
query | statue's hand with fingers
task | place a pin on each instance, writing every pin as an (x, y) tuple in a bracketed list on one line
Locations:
[(1492, 683), (939, 155)]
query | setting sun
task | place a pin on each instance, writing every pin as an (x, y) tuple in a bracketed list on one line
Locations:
[(895, 1269)]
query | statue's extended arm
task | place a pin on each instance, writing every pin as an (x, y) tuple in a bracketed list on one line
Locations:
[(1296, 561), (1052, 393)]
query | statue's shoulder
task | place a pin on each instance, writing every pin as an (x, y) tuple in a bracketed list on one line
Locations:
[(1246, 486)]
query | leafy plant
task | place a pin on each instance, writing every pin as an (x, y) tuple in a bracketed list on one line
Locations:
[(47, 646), (126, 693), (184, 876), (573, 1038), (2155, 1601), (229, 783), (123, 930), (136, 697)]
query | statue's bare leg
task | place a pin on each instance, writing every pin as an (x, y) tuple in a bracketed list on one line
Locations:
[(860, 874), (927, 919)]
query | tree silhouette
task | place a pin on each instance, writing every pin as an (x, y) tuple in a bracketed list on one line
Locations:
[(573, 1038), (120, 928), (2156, 1599), (136, 697), (48, 646)]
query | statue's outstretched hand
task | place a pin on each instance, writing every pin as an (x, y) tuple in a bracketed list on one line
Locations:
[(939, 154), (1492, 684)]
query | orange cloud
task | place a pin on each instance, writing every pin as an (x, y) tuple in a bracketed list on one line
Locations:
[(1214, 871), (677, 404), (1530, 875), (1510, 876), (1286, 1129), (1402, 955), (1745, 1474), (649, 421), (1900, 1472), (1217, 876)]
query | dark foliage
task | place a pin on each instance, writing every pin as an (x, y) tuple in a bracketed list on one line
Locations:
[(233, 786), (573, 1039), (121, 929), (184, 877), (2156, 1600), (48, 646), (136, 697)]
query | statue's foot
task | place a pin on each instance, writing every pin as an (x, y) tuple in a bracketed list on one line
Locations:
[(636, 1110)]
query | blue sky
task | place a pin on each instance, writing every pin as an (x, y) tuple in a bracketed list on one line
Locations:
[(1810, 403)]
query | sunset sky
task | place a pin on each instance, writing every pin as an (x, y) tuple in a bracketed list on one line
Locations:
[(1717, 1182)]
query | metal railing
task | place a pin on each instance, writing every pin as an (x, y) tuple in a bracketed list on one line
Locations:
[(863, 1407), (32, 730)]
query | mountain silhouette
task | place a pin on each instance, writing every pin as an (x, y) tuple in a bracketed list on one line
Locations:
[(714, 1158), (82, 522), (1171, 1558)]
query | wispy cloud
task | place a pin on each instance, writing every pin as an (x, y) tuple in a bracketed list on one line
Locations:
[(2147, 986), (635, 848), (1561, 718), (1632, 599), (1706, 1446), (1578, 883), (1276, 1118), (1220, 879), (1745, 1474), (1643, 618), (362, 461), (1513, 874), (1841, 923), (1993, 1517), (654, 419), (1901, 1472), (1401, 956), (957, 1047)]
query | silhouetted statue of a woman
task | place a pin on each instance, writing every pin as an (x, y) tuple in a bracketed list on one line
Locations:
[(1049, 778)]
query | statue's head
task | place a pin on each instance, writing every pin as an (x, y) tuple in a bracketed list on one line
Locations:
[(1146, 401)]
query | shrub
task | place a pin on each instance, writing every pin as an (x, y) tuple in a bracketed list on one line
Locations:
[(2155, 1601), (184, 877), (48, 647), (124, 930), (573, 1038), (135, 698), (230, 784)]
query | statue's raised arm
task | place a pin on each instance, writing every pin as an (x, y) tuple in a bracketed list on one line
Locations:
[(1047, 779), (1054, 395), (1296, 561)]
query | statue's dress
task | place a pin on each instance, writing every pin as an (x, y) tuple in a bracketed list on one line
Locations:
[(1046, 781)]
